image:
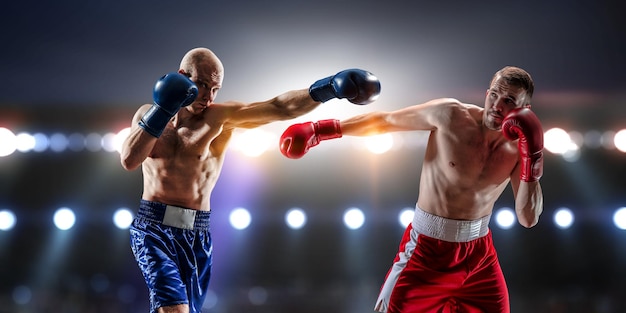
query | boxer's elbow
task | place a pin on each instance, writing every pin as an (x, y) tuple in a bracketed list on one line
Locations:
[(128, 165), (128, 162), (530, 216), (528, 223)]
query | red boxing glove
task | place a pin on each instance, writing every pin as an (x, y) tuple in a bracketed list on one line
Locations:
[(298, 138), (524, 125)]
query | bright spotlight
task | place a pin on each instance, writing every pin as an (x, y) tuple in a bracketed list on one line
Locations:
[(109, 142), (240, 218), (558, 141), (120, 137), (64, 218), (253, 142), (379, 144), (577, 138), (295, 218), (25, 142), (7, 220), (505, 218), (619, 218), (571, 155), (406, 216), (563, 218), (620, 140), (9, 142), (122, 218), (353, 218), (608, 140), (41, 142), (58, 142)]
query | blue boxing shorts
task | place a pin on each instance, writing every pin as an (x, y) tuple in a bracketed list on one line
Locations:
[(172, 246)]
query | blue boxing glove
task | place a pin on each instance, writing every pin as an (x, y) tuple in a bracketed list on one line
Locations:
[(171, 92), (358, 86)]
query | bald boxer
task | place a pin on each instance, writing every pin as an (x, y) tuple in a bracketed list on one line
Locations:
[(446, 260), (180, 141)]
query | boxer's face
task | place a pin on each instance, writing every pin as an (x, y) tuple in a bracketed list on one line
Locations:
[(209, 81), (502, 98)]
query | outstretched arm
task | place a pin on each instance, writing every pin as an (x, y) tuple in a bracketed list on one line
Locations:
[(355, 85), (299, 138), (285, 106), (424, 116)]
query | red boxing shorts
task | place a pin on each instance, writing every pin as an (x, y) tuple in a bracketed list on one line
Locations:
[(445, 265)]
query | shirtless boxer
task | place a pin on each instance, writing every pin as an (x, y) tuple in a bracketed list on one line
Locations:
[(446, 260), (180, 142)]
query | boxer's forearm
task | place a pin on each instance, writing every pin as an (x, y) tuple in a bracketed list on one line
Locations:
[(529, 203), (136, 148)]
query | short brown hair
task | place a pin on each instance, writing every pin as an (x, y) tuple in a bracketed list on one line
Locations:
[(517, 77)]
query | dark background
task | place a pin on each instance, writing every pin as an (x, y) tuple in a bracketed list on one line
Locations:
[(85, 66)]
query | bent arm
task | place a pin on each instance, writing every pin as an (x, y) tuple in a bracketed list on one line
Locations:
[(285, 106), (524, 126), (528, 201), (139, 143), (425, 116)]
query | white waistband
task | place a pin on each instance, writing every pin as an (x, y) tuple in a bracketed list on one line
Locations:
[(179, 217), (448, 229)]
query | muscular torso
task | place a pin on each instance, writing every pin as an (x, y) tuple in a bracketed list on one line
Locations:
[(186, 161), (466, 166)]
